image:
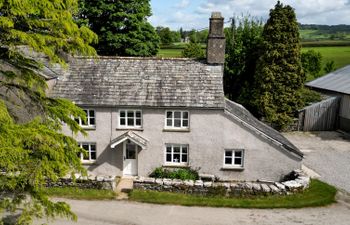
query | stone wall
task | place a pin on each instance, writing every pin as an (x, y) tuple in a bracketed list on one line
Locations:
[(91, 182), (299, 182)]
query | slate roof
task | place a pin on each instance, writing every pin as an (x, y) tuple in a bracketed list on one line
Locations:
[(151, 82), (246, 117), (337, 81)]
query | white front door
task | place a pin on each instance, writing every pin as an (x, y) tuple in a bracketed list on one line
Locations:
[(130, 159)]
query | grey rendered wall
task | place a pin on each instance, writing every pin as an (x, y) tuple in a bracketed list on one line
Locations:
[(211, 131)]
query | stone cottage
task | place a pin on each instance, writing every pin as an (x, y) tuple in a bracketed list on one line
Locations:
[(144, 113)]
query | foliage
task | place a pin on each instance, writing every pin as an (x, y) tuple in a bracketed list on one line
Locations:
[(193, 50), (81, 194), (312, 62), (318, 194), (182, 174), (309, 96), (329, 66), (167, 36), (122, 26), (279, 75), (243, 41), (35, 150)]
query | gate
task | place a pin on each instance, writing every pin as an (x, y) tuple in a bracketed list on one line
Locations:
[(320, 116)]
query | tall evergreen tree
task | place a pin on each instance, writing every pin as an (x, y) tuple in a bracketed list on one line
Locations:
[(279, 75), (243, 41), (122, 26), (31, 152)]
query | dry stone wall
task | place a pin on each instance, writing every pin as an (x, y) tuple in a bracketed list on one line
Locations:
[(90, 182), (207, 188)]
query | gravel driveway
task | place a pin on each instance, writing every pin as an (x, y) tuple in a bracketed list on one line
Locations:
[(327, 153)]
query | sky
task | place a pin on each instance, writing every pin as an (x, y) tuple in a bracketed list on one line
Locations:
[(194, 14)]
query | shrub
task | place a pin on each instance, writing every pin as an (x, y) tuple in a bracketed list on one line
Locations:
[(182, 174)]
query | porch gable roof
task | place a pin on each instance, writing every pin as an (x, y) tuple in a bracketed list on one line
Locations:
[(137, 139)]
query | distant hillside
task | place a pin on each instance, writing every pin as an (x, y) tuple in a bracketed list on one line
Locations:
[(315, 32)]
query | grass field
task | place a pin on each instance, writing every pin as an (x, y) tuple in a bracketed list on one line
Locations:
[(318, 194), (77, 193), (339, 54), (309, 34)]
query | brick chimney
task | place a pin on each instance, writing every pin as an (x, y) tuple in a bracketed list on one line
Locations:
[(216, 40)]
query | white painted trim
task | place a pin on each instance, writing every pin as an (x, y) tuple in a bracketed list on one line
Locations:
[(233, 166), (136, 159), (88, 126), (172, 154), (172, 127), (126, 111)]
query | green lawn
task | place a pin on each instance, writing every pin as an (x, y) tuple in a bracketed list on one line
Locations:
[(319, 194), (340, 55), (169, 53), (83, 194)]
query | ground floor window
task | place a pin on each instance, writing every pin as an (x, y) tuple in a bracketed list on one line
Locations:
[(90, 148), (176, 154), (234, 157)]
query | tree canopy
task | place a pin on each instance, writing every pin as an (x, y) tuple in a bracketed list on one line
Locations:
[(122, 26), (279, 75), (34, 150)]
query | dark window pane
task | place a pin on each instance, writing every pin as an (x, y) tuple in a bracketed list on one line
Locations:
[(93, 155), (238, 161), (168, 149), (130, 113), (169, 122), (122, 113), (169, 114), (184, 158), (177, 123), (92, 113), (83, 122), (86, 155), (176, 158), (177, 115), (184, 150), (138, 122), (77, 120), (85, 146), (122, 121), (228, 153), (168, 157), (185, 123), (92, 121), (176, 149), (85, 111), (185, 115), (138, 114), (130, 121), (238, 153), (228, 161), (93, 147)]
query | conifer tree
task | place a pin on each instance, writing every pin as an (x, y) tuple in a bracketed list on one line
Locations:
[(279, 75), (33, 151), (122, 26)]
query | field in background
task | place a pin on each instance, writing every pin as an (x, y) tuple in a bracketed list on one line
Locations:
[(339, 54)]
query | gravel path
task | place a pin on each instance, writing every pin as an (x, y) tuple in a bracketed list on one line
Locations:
[(327, 153), (131, 213)]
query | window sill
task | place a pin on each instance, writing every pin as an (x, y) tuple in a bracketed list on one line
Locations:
[(89, 127), (130, 128), (176, 130), (176, 166), (92, 162), (232, 168)]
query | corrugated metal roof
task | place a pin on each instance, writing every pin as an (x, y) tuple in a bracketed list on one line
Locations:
[(337, 81)]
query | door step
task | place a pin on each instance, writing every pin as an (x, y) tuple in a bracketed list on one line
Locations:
[(124, 186)]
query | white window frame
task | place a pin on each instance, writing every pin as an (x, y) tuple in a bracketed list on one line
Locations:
[(90, 160), (233, 157), (126, 118), (173, 120), (180, 163), (88, 117)]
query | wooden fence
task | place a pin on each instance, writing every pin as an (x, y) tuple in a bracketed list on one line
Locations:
[(320, 116)]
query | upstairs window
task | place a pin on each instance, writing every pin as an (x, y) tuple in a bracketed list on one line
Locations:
[(177, 119), (234, 158), (176, 154), (90, 119), (90, 148), (130, 118)]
